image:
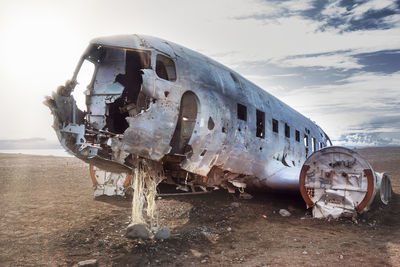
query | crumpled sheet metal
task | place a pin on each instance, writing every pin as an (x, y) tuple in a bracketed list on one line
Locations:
[(385, 188), (149, 134), (109, 183), (272, 162), (337, 181)]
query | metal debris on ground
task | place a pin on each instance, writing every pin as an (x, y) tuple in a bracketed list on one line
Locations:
[(337, 181)]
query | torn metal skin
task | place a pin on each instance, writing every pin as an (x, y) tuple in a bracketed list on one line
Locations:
[(201, 124)]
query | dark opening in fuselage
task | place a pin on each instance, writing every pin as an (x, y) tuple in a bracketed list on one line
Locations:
[(127, 103), (185, 125)]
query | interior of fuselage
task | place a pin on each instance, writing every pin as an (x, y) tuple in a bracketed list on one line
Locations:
[(185, 125), (117, 87), (130, 101)]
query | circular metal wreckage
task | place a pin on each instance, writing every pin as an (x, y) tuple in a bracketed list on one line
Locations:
[(336, 181)]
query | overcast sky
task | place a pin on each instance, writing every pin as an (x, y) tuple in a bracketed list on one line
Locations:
[(337, 62)]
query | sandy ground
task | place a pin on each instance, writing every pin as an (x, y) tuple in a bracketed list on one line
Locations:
[(48, 217)]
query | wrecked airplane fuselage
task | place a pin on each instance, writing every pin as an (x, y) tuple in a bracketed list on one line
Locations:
[(199, 123)]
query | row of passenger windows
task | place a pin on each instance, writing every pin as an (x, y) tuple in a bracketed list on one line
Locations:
[(165, 69), (260, 127)]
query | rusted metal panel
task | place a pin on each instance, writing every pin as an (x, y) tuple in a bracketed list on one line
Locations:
[(337, 181)]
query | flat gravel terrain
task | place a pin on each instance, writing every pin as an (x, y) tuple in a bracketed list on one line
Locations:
[(48, 216)]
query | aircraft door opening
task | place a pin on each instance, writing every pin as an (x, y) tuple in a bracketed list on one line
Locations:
[(186, 123)]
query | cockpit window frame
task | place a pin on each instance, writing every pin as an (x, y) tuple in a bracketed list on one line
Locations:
[(166, 68), (86, 56)]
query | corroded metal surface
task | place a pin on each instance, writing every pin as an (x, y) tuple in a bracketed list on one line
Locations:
[(109, 183), (195, 121), (337, 181)]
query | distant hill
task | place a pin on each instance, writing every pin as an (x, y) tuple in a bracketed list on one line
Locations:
[(29, 143)]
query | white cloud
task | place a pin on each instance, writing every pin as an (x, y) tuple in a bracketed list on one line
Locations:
[(289, 37), (361, 9), (297, 5), (366, 139), (393, 20), (42, 41), (285, 75), (340, 61), (334, 10), (363, 102)]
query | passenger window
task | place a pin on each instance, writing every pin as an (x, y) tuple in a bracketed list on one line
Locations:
[(314, 144), (297, 136), (287, 130), (260, 118), (275, 126), (306, 140), (241, 112), (321, 145), (165, 68)]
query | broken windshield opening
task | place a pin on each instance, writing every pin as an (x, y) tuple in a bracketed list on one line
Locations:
[(109, 81), (83, 80), (130, 101)]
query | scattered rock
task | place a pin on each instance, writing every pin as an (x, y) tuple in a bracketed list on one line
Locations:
[(195, 253), (87, 263), (204, 261), (235, 204), (228, 229), (116, 246), (284, 213), (100, 243), (305, 252), (137, 231), (341, 257), (163, 233), (245, 196)]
